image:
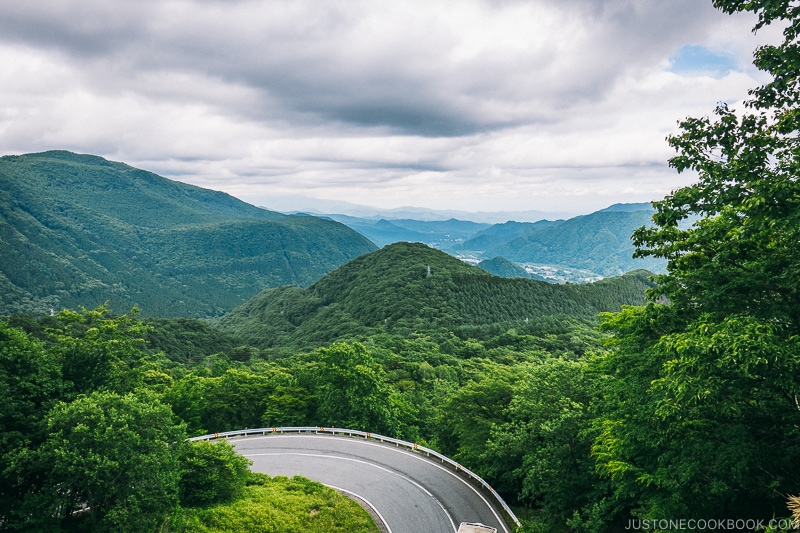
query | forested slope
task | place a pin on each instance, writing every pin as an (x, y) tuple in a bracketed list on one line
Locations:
[(500, 266), (599, 242), (409, 287), (77, 230)]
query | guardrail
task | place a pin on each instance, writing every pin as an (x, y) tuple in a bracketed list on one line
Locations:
[(366, 435)]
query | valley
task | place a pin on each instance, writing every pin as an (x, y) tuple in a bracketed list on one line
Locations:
[(576, 250), (140, 312), (628, 368), (126, 293)]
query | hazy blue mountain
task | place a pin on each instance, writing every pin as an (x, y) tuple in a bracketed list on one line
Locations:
[(78, 230), (294, 203), (578, 249), (381, 232), (490, 237), (599, 242), (440, 233)]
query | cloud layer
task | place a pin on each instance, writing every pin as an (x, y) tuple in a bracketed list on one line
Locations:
[(469, 104)]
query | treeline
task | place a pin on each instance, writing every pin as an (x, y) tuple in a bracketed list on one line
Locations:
[(438, 389)]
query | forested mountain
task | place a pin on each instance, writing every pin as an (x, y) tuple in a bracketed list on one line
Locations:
[(592, 246), (500, 266), (78, 230), (492, 236), (407, 287), (599, 242)]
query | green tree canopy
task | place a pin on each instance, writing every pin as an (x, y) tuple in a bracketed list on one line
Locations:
[(30, 384), (212, 472), (117, 457), (100, 351), (352, 390), (704, 416)]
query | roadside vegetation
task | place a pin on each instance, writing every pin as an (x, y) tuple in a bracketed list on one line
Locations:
[(278, 505)]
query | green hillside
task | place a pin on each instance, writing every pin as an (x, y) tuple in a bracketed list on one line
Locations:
[(599, 242), (500, 266), (78, 230), (500, 233), (408, 287)]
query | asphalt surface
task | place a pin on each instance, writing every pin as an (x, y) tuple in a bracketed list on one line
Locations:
[(411, 493)]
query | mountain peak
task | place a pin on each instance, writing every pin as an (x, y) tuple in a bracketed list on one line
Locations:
[(410, 287), (81, 230)]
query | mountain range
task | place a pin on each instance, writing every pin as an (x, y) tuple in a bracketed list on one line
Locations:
[(294, 203), (599, 242), (78, 230), (443, 234), (578, 249)]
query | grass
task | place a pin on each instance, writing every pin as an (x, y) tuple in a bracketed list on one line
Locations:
[(279, 505)]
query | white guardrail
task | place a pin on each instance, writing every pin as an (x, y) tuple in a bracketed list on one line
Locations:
[(366, 435)]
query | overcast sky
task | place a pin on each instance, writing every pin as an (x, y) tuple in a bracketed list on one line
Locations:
[(555, 105)]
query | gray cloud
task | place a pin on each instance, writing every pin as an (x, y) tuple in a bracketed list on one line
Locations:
[(383, 91), (331, 61)]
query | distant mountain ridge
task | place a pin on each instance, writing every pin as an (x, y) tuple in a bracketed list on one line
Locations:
[(78, 230), (599, 242), (440, 233), (578, 249), (293, 203)]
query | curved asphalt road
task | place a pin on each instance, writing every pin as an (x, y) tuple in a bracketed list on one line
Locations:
[(413, 494)]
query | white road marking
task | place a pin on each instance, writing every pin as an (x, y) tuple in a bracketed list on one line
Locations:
[(407, 453), (374, 509), (324, 456)]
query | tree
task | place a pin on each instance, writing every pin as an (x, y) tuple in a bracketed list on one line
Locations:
[(467, 417), (705, 413), (212, 472), (30, 384), (542, 453), (99, 351), (263, 395), (114, 456), (352, 390)]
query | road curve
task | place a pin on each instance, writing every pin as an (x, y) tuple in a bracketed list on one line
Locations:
[(410, 492)]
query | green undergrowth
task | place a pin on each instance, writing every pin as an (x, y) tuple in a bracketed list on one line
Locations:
[(279, 505)]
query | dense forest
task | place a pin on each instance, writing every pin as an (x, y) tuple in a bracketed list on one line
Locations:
[(80, 230), (408, 288), (665, 413), (598, 242), (92, 398), (90, 439)]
